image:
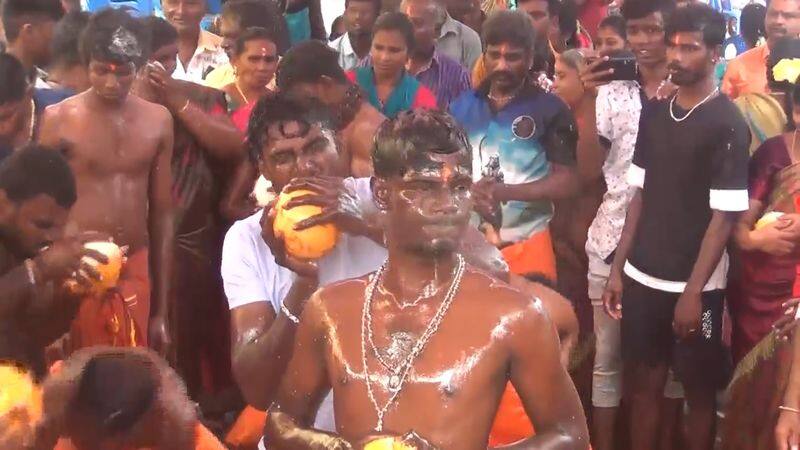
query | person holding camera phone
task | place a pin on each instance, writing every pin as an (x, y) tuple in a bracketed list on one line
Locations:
[(618, 106)]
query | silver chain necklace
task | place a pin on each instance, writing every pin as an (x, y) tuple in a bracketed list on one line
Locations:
[(399, 373), (704, 101)]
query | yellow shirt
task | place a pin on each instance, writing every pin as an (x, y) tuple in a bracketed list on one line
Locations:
[(220, 77)]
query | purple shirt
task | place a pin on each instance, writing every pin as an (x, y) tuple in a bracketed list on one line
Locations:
[(445, 77)]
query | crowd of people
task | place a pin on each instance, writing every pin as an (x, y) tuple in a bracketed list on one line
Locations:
[(447, 224)]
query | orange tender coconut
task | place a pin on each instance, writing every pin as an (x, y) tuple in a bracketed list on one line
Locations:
[(311, 243), (388, 443), (20, 405), (109, 272)]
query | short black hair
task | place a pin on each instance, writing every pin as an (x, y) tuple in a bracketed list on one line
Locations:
[(553, 7), (13, 79), (161, 32), (114, 36), (262, 14), (251, 34), (116, 390), (512, 27), (16, 13), (413, 133), (399, 22), (280, 108), (751, 22), (376, 4), (616, 23), (637, 9), (698, 18), (65, 45), (34, 170), (307, 62)]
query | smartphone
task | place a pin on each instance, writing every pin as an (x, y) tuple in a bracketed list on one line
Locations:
[(624, 65)]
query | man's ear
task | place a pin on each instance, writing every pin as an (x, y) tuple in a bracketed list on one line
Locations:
[(380, 192)]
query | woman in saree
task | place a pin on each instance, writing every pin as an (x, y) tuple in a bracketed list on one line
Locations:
[(767, 238)]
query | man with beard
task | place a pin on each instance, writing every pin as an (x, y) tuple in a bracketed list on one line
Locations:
[(37, 190), (690, 168), (353, 46), (534, 136), (369, 351), (120, 148), (748, 72)]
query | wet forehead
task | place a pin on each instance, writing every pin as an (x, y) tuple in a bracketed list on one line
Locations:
[(292, 135), (438, 165)]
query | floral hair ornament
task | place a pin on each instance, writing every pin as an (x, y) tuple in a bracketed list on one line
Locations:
[(787, 70)]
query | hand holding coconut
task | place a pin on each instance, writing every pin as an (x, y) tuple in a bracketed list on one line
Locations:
[(71, 258), (777, 234)]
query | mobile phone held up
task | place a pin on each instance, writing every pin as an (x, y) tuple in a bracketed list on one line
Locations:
[(624, 65)]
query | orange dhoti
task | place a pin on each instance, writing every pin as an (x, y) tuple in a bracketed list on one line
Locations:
[(246, 432), (119, 317), (511, 424), (533, 255)]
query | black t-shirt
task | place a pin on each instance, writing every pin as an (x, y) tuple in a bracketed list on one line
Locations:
[(688, 169)]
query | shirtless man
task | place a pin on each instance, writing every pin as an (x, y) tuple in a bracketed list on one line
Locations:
[(431, 370), (120, 147)]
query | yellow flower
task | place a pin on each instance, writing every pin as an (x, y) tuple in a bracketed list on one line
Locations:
[(787, 70)]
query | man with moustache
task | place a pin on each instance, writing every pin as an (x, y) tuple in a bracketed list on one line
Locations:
[(748, 72), (353, 46), (668, 276), (393, 351)]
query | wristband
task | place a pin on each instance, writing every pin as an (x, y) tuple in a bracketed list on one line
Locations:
[(289, 314), (789, 409), (30, 267)]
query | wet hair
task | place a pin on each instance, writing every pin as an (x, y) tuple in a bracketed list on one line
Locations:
[(412, 134), (637, 9), (509, 27), (615, 23), (16, 13), (161, 32), (307, 62), (698, 18), (377, 5), (34, 170), (13, 79), (114, 36), (397, 22), (262, 14), (116, 390), (279, 109), (751, 23), (65, 46), (251, 34)]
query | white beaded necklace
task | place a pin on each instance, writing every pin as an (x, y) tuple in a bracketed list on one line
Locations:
[(399, 374)]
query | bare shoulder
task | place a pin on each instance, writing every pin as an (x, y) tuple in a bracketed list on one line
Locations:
[(493, 295), (337, 295), (153, 110), (65, 108)]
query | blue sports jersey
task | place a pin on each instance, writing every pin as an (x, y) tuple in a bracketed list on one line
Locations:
[(532, 131)]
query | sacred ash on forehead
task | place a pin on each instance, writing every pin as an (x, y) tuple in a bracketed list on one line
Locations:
[(124, 44)]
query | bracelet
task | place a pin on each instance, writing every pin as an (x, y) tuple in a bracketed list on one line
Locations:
[(294, 318), (789, 409), (184, 106), (30, 267)]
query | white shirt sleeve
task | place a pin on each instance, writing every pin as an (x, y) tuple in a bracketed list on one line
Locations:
[(242, 279)]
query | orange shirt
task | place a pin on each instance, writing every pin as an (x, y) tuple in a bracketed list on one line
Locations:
[(747, 74)]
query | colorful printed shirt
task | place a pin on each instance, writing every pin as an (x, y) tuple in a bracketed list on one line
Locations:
[(532, 131)]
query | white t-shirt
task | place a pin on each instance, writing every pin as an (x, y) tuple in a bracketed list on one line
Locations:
[(250, 273)]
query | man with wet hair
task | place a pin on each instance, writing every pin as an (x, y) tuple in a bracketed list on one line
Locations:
[(120, 148), (413, 351)]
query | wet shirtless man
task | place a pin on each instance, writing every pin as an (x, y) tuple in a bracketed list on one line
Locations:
[(120, 147), (430, 370)]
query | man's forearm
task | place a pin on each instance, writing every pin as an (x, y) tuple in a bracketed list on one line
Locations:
[(792, 396), (163, 251), (628, 232), (222, 139), (283, 432), (554, 186), (716, 238), (260, 361)]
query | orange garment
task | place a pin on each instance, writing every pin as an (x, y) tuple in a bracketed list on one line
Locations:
[(204, 440), (246, 432), (478, 73), (534, 255), (747, 73), (511, 424), (118, 318)]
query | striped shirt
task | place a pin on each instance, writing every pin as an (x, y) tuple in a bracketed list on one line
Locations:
[(446, 78)]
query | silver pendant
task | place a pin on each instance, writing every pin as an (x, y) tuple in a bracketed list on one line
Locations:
[(394, 382)]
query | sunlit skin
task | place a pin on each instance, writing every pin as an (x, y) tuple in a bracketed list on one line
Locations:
[(608, 41), (120, 149), (465, 367)]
